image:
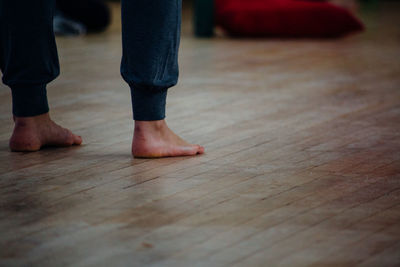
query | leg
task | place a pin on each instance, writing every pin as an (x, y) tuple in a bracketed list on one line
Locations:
[(28, 61), (151, 36)]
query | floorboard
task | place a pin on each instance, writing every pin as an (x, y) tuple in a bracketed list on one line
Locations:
[(302, 163)]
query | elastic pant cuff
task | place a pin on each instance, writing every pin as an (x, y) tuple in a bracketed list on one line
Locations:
[(29, 101), (148, 104)]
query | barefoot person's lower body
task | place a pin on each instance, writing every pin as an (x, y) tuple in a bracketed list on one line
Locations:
[(29, 61)]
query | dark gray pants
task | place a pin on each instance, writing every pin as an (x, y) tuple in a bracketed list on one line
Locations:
[(150, 39)]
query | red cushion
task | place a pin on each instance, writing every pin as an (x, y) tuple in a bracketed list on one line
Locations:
[(284, 18)]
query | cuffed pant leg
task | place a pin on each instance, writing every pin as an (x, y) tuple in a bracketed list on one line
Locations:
[(28, 53), (148, 104), (29, 101), (150, 39)]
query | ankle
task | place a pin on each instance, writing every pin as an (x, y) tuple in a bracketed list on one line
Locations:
[(34, 120), (145, 126)]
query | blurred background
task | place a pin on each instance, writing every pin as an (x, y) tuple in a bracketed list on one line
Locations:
[(206, 18)]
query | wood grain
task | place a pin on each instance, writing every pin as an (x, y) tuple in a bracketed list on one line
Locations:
[(302, 163)]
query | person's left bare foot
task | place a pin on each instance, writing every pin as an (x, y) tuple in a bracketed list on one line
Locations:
[(153, 139)]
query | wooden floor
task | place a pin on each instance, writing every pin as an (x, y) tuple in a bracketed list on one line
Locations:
[(302, 165)]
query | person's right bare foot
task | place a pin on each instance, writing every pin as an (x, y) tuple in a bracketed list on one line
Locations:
[(153, 139), (33, 133)]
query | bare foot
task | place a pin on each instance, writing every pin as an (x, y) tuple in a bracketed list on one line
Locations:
[(33, 133), (153, 139)]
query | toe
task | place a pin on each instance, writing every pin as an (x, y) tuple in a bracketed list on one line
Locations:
[(68, 139), (77, 139), (62, 137), (195, 149), (72, 139), (200, 149), (183, 151)]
